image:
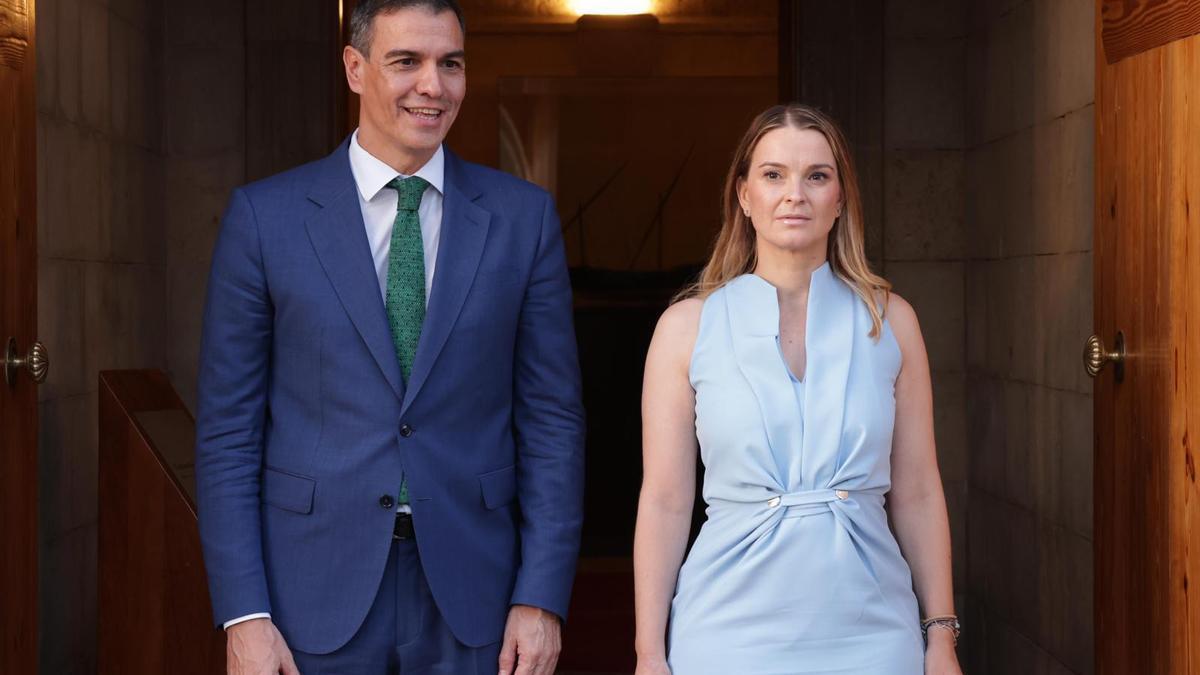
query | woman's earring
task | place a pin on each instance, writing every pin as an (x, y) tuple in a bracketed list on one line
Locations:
[(747, 212)]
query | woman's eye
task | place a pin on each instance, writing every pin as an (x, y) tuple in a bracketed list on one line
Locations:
[(819, 176), (772, 175)]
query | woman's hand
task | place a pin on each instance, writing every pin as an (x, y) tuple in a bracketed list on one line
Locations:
[(652, 666), (940, 657)]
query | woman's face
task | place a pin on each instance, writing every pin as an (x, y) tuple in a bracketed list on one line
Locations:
[(792, 190)]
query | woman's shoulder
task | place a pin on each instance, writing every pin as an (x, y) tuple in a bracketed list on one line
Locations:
[(682, 318), (902, 319)]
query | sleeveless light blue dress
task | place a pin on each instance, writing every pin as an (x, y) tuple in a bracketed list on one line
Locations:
[(795, 569)]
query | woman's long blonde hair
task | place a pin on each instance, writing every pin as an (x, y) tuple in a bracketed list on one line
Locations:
[(734, 252)]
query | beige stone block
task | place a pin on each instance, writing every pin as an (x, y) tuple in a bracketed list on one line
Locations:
[(94, 82), (1018, 447), (987, 432), (1065, 290), (1064, 56), (61, 328), (205, 107), (956, 509), (1000, 95), (188, 283), (76, 217), (1045, 463), (47, 56), (138, 232), (936, 19), (123, 39), (205, 24), (923, 94), (925, 204), (985, 545), (983, 229), (141, 14), (1076, 440), (67, 465), (277, 138), (950, 424), (1063, 188), (1078, 653), (868, 162), (69, 58), (123, 305), (199, 190), (935, 291), (1016, 208), (977, 309), (286, 21), (1024, 603), (67, 602)]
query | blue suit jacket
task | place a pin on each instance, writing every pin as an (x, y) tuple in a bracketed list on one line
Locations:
[(301, 406)]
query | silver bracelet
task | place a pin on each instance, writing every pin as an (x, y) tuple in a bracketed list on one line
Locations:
[(950, 623)]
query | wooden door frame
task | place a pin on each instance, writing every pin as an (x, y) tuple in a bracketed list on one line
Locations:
[(18, 319), (1147, 285)]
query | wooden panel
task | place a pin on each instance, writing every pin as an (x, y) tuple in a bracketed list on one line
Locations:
[(1181, 206), (154, 610), (1134, 26), (18, 319), (1147, 509)]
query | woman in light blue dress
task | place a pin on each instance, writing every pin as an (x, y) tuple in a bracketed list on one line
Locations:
[(805, 386)]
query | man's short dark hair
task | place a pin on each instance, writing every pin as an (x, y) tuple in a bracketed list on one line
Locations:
[(363, 18)]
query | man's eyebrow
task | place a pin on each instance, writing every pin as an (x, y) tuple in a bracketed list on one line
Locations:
[(410, 54)]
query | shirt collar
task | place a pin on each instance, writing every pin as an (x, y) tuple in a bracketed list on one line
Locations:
[(372, 174)]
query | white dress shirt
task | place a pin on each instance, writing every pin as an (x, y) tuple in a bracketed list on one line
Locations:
[(378, 204)]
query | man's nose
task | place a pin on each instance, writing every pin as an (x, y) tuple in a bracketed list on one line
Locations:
[(429, 83)]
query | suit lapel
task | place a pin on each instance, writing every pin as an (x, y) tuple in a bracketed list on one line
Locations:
[(339, 238), (464, 231)]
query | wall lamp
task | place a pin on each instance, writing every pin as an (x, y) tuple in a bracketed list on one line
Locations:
[(582, 7)]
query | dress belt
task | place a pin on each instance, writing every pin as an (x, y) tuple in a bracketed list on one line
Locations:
[(807, 497)]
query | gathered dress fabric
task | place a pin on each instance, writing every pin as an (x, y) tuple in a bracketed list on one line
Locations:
[(795, 569)]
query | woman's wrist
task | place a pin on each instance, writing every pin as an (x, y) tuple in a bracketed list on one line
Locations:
[(938, 637)]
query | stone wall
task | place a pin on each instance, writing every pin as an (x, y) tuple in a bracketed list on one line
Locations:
[(101, 276), (922, 218), (1028, 236), (149, 113)]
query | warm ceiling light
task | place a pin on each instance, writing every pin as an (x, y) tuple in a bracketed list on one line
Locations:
[(582, 7)]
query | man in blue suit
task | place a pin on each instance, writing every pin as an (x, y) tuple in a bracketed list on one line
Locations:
[(389, 430)]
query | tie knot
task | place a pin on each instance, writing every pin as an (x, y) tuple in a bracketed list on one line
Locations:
[(410, 190)]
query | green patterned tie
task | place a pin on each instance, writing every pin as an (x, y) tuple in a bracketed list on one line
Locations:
[(406, 279)]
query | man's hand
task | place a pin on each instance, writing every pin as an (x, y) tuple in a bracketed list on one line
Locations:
[(532, 641), (255, 647)]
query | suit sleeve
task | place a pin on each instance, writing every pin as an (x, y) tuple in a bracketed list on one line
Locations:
[(231, 409), (549, 427)]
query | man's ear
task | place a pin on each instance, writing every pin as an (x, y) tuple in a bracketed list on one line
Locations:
[(354, 62)]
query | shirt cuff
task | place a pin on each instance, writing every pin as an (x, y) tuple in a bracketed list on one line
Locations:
[(240, 619)]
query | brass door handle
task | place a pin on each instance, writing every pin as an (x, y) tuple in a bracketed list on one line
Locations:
[(37, 362), (1096, 356)]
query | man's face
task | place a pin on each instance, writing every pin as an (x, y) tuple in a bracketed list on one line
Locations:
[(411, 84)]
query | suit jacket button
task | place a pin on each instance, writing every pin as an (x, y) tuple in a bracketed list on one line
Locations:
[(406, 431), (387, 501)]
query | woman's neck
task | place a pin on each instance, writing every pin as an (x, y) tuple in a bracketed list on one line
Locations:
[(790, 272)]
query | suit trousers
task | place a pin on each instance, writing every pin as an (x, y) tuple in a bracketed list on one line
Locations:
[(404, 633)]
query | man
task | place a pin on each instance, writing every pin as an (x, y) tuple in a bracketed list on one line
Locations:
[(389, 435)]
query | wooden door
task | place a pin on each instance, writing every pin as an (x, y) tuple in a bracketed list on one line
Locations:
[(18, 320), (1147, 286)]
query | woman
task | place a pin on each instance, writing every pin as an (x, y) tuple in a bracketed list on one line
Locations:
[(805, 383)]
